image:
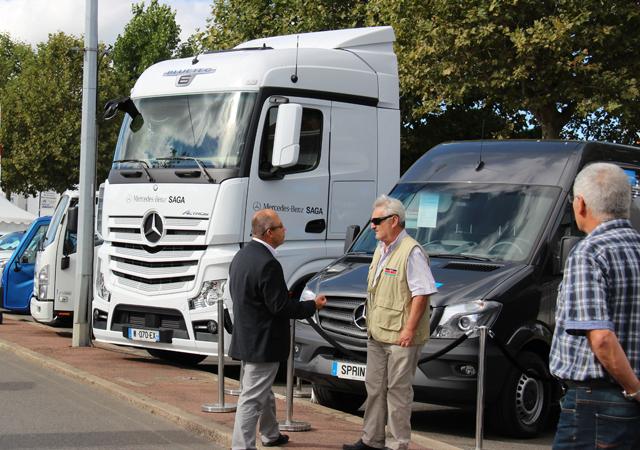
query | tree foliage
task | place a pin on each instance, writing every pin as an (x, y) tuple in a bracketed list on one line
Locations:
[(152, 35)]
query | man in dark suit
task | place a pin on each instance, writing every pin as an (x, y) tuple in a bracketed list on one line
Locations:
[(262, 310)]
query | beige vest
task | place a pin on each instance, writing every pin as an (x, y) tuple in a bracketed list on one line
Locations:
[(389, 297)]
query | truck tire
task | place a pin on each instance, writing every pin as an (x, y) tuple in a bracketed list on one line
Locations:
[(525, 403), (183, 359), (341, 401)]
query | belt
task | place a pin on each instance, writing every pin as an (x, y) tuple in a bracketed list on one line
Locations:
[(599, 383)]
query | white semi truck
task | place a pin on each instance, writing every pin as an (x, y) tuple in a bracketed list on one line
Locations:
[(306, 124)]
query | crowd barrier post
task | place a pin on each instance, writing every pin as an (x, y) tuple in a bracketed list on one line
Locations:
[(480, 393), (220, 407), (298, 392), (289, 424)]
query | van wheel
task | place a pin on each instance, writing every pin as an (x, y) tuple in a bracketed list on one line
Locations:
[(524, 404), (183, 359), (341, 401)]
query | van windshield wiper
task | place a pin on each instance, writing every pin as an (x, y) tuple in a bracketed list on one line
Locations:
[(190, 158), (143, 164), (459, 256)]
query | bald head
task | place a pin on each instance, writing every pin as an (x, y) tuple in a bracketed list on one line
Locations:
[(267, 226)]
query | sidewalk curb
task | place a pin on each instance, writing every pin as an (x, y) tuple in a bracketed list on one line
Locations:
[(215, 432)]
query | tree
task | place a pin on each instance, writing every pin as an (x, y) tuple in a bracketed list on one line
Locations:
[(13, 56), (151, 35), (42, 117), (560, 61)]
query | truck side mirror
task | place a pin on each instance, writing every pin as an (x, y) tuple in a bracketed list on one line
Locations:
[(72, 219), (286, 141), (566, 245), (352, 232), (64, 262)]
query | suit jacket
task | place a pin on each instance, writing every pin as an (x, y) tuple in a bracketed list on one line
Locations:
[(261, 306)]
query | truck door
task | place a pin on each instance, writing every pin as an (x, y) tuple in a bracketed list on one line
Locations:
[(299, 194), (66, 269), (20, 280)]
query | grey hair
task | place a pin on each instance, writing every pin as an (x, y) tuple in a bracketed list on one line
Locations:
[(262, 221), (391, 206), (605, 189)]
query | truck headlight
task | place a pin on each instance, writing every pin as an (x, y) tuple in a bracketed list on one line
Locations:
[(43, 282), (210, 292), (459, 319), (101, 288)]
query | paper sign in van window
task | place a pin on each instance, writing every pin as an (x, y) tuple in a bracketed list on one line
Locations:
[(633, 180), (428, 210)]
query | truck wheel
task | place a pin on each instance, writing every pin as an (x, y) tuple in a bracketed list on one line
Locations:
[(341, 401), (184, 359), (524, 404)]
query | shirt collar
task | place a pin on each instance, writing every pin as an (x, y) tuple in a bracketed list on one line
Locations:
[(271, 249), (610, 225), (388, 248)]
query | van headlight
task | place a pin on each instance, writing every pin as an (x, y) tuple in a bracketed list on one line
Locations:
[(210, 292), (462, 318), (43, 282), (307, 294), (101, 288)]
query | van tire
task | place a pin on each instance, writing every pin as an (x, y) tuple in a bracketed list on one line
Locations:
[(523, 407), (342, 401), (183, 359)]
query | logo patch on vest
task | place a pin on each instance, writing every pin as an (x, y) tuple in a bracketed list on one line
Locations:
[(390, 272)]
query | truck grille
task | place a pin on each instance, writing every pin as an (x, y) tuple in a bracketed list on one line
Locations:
[(168, 263)]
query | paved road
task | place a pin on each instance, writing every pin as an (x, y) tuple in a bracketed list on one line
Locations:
[(40, 409)]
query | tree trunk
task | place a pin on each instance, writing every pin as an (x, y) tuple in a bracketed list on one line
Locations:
[(551, 120)]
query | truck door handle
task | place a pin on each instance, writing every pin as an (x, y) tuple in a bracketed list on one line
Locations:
[(315, 226)]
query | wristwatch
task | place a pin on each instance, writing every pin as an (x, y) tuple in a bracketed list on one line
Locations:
[(631, 396)]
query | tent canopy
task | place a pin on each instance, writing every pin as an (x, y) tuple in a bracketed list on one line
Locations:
[(13, 218)]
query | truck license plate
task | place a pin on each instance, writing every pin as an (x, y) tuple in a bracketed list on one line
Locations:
[(137, 334), (348, 370)]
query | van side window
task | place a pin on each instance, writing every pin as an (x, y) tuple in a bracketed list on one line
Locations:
[(310, 143), (29, 255)]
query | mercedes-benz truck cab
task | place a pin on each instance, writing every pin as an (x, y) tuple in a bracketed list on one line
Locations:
[(495, 219), (307, 125)]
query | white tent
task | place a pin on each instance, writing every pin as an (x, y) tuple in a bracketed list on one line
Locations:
[(13, 218)]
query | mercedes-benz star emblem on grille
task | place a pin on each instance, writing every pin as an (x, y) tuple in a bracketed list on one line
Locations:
[(360, 316), (152, 227)]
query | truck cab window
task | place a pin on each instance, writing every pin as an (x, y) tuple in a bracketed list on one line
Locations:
[(310, 143)]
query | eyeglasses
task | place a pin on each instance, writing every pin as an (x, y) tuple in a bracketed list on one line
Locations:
[(378, 220), (276, 227)]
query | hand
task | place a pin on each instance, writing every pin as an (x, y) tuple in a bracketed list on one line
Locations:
[(406, 337), (321, 301)]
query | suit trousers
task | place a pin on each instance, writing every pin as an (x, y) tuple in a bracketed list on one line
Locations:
[(256, 402), (389, 382)]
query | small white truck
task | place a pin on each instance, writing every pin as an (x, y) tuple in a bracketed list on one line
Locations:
[(307, 125)]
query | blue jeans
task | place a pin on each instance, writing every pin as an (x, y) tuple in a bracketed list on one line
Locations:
[(597, 418)]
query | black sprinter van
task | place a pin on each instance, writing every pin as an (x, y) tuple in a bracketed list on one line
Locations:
[(495, 218)]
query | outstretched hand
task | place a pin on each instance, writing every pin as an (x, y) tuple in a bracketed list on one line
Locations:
[(321, 301)]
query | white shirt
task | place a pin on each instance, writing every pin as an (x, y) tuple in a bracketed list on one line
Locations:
[(271, 249), (419, 276)]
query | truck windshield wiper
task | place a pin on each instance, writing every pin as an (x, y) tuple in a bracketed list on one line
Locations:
[(143, 164), (459, 256), (190, 158)]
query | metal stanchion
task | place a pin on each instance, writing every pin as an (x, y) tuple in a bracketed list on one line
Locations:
[(0, 317), (289, 424), (237, 392), (298, 392), (220, 406), (480, 394)]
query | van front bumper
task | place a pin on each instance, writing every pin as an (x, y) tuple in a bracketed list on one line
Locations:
[(449, 380)]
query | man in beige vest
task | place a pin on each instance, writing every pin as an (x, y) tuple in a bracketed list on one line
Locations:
[(399, 285)]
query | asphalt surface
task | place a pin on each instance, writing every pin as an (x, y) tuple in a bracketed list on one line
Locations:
[(40, 409)]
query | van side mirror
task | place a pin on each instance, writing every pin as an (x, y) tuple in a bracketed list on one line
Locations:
[(286, 141), (352, 232), (566, 245), (72, 219)]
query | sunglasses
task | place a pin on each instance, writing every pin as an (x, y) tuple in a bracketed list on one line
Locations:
[(378, 220)]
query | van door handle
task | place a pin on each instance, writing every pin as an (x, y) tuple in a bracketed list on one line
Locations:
[(315, 226)]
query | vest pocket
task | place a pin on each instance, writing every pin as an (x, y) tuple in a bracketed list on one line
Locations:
[(389, 314)]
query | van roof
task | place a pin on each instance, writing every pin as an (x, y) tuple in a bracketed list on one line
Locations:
[(536, 162)]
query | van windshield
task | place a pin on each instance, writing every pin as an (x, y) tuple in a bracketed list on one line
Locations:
[(209, 127), (479, 221)]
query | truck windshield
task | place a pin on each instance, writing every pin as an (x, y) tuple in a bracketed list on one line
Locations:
[(209, 127), (475, 221), (56, 219)]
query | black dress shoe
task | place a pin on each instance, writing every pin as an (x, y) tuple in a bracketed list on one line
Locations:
[(282, 439), (359, 446)]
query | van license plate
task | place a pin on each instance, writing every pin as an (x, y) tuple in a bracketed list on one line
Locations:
[(348, 370), (144, 335)]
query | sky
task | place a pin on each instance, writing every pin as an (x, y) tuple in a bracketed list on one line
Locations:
[(31, 21)]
